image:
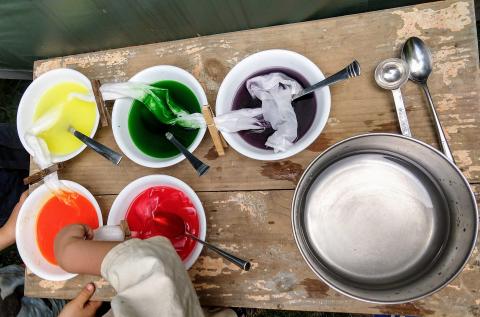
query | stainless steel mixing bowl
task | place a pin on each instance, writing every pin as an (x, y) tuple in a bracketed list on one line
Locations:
[(384, 218)]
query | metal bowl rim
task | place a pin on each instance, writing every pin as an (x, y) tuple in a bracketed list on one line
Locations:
[(364, 299)]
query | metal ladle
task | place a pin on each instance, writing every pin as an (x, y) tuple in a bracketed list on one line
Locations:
[(101, 149), (198, 165), (419, 60), (391, 74), (175, 227)]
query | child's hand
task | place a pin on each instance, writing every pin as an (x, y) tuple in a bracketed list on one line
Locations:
[(68, 236), (82, 306), (76, 252), (74, 232)]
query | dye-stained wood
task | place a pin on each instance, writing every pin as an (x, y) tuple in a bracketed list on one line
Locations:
[(248, 202), (256, 225)]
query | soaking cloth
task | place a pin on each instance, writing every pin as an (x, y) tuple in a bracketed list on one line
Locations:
[(157, 100), (150, 280), (14, 165), (276, 90)]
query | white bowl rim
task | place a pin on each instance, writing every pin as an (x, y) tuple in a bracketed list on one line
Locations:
[(138, 156), (23, 106), (119, 208), (306, 140), (29, 203)]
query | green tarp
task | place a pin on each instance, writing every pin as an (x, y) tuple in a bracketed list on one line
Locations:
[(36, 29)]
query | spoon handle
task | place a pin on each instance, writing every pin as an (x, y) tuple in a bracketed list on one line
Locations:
[(352, 70), (101, 149), (438, 126), (401, 113), (244, 265), (199, 166)]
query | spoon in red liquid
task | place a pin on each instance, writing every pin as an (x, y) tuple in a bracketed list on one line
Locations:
[(174, 226)]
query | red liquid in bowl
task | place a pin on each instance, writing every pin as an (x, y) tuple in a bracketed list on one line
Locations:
[(58, 213), (160, 199)]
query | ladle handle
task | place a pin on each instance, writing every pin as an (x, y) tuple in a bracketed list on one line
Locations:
[(101, 149), (198, 165), (244, 265), (401, 113), (438, 126), (351, 70)]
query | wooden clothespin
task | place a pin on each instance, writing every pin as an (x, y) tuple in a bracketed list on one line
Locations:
[(105, 119), (125, 229), (38, 176), (217, 138)]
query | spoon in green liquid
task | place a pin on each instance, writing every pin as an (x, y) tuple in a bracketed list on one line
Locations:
[(101, 149), (198, 165)]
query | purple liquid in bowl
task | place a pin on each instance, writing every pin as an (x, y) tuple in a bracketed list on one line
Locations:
[(305, 108)]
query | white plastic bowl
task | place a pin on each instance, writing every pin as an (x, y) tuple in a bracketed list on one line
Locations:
[(32, 96), (26, 231), (131, 191), (121, 110), (262, 61)]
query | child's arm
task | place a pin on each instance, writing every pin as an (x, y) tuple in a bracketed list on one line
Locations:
[(76, 252), (7, 232)]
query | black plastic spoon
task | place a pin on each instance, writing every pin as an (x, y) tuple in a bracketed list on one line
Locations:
[(198, 165)]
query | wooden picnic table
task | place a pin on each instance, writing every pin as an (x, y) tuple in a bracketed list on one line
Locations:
[(247, 202)]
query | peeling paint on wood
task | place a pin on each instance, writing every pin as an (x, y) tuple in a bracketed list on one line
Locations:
[(449, 61), (51, 286), (415, 22), (207, 266)]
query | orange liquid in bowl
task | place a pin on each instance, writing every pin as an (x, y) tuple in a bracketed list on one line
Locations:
[(56, 214)]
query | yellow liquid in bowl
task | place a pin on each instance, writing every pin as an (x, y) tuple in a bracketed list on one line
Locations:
[(74, 112)]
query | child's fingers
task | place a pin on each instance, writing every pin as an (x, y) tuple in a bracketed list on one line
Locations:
[(92, 307), (23, 196), (88, 232), (20, 202), (85, 294)]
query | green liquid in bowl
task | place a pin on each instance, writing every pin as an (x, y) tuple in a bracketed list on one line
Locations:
[(148, 134)]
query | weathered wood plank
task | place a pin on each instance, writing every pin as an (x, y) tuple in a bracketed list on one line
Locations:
[(257, 226), (256, 223), (358, 106)]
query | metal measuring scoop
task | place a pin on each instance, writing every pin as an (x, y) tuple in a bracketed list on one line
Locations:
[(391, 74)]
